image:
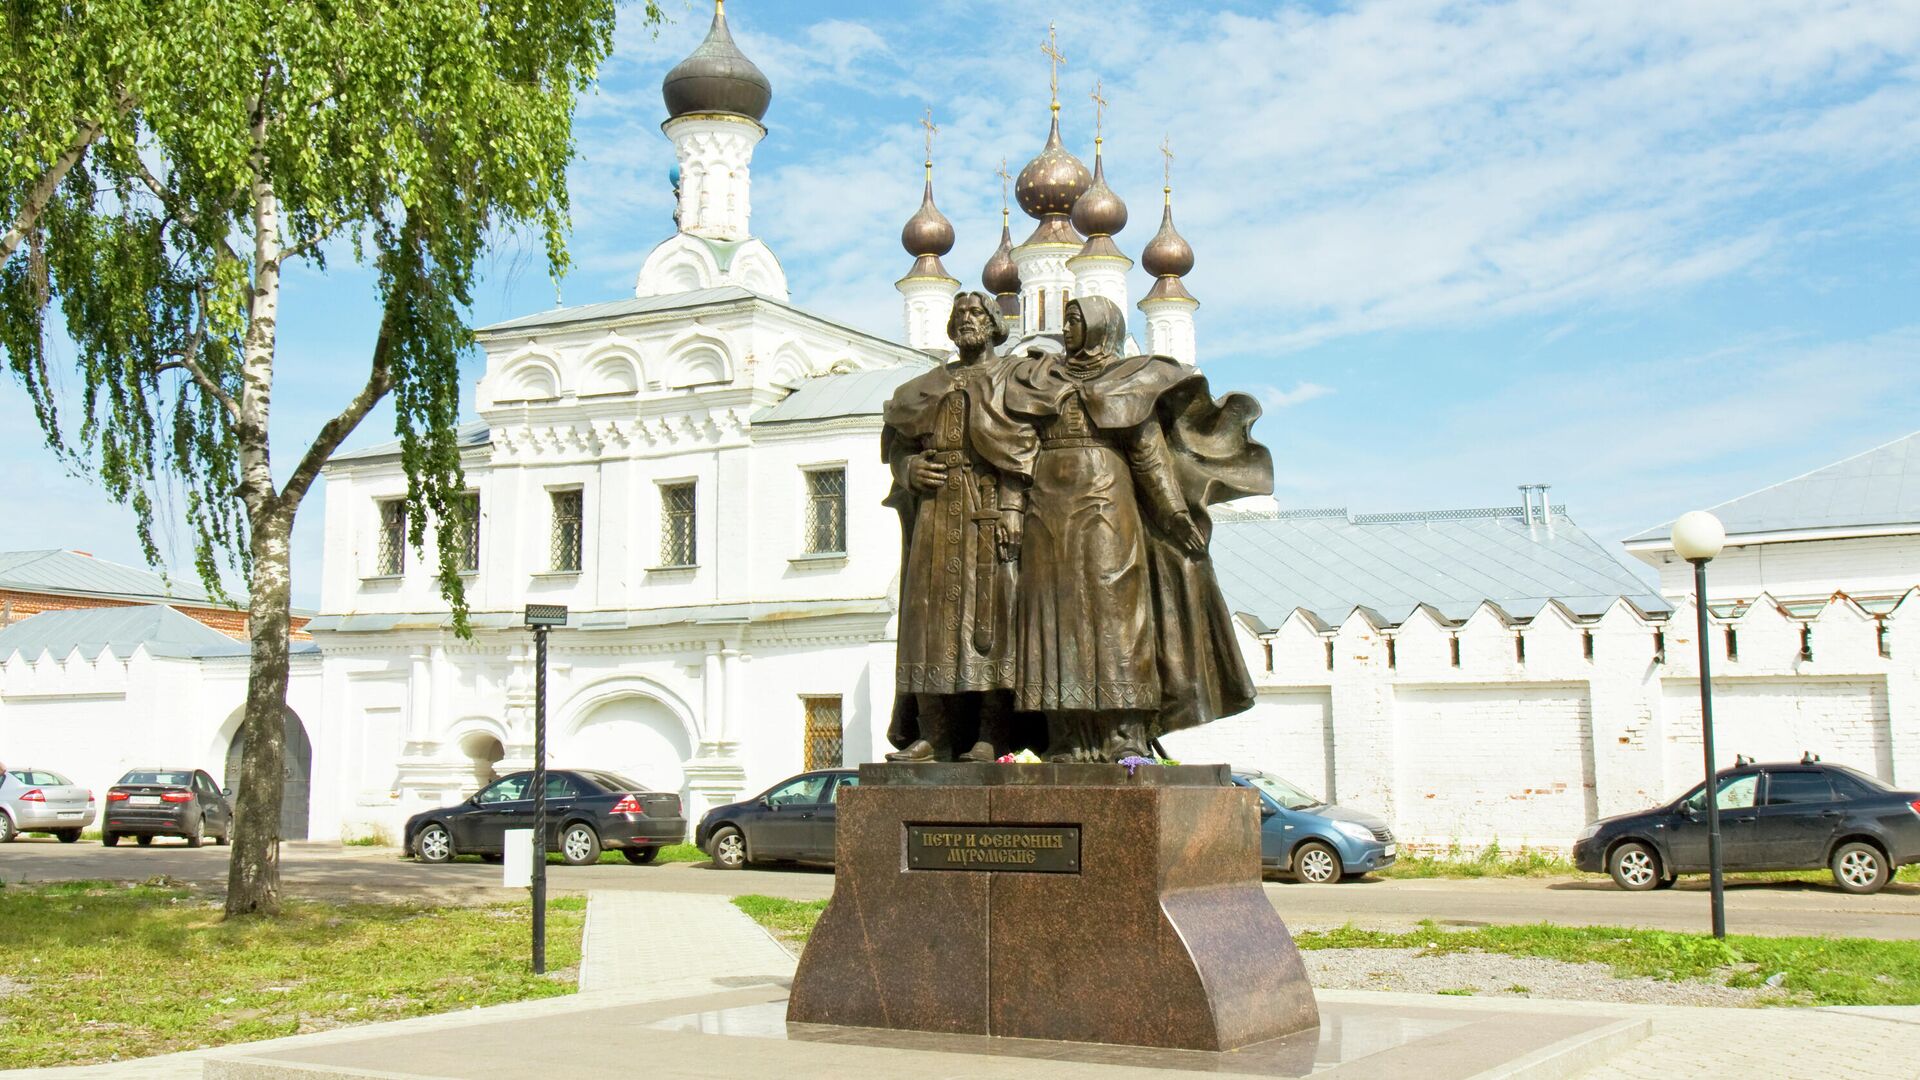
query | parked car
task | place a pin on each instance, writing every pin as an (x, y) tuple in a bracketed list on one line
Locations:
[(1802, 815), (146, 803), (43, 801), (588, 810), (1315, 841), (793, 819)]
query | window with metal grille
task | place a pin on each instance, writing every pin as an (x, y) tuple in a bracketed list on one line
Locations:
[(825, 746), (567, 530), (392, 555), (676, 525), (826, 512), (466, 531)]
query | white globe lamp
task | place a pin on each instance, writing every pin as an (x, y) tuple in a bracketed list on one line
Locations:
[(1698, 536)]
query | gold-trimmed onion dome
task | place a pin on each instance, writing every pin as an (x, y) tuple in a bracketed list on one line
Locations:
[(1052, 182), (927, 232), (1099, 211), (1168, 254), (1001, 276)]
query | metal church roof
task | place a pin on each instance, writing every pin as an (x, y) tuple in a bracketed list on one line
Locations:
[(120, 630), (54, 570), (858, 393), (471, 433), (1874, 490), (1330, 562)]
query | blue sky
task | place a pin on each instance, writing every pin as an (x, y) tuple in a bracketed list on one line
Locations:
[(1657, 255)]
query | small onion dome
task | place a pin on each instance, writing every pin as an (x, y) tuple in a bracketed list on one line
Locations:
[(1099, 212), (1054, 181), (927, 232), (1001, 277), (717, 78), (1168, 254)]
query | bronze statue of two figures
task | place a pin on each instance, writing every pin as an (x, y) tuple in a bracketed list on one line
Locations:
[(1055, 591)]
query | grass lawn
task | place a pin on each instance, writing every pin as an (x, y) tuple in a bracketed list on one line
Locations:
[(96, 970), (1818, 971), (668, 854), (790, 920)]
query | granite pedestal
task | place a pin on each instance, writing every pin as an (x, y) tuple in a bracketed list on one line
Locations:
[(1157, 934)]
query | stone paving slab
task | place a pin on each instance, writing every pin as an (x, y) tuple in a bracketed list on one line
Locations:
[(676, 945)]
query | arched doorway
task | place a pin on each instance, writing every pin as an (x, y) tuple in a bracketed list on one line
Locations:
[(484, 751), (297, 773), (635, 736)]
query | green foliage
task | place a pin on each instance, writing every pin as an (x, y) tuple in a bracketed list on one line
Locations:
[(789, 920), (128, 971), (1489, 861), (162, 165), (682, 853)]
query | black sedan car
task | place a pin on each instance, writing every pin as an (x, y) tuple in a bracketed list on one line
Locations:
[(1789, 816), (793, 819), (146, 803), (588, 810)]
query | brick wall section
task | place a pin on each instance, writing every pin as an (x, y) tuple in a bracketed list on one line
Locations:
[(226, 620)]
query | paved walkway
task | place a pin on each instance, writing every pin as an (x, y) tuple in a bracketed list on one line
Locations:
[(671, 945)]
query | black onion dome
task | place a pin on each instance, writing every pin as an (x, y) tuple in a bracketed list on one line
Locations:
[(927, 232), (1001, 276), (717, 78), (1168, 254), (1052, 182), (1099, 212)]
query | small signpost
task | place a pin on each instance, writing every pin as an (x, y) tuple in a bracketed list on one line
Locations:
[(541, 617)]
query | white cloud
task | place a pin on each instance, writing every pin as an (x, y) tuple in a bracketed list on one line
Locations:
[(1275, 398)]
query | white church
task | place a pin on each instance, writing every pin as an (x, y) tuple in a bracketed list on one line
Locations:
[(694, 472)]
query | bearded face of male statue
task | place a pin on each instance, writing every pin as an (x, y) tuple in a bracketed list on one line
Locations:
[(972, 329)]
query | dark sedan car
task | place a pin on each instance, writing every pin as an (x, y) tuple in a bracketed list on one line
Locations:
[(166, 802), (588, 810), (1788, 816), (793, 819)]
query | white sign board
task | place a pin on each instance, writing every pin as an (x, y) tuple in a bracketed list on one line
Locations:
[(516, 870)]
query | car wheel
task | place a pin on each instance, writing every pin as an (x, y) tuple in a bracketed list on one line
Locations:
[(144, 839), (224, 838), (108, 839), (1860, 868), (493, 858), (580, 845), (433, 845), (1634, 867), (7, 832), (1316, 863), (641, 856), (198, 836), (68, 836), (1667, 882), (729, 849)]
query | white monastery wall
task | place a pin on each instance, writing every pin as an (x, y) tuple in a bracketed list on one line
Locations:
[(1540, 727)]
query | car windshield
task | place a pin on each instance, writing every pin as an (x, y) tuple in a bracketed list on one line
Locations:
[(165, 779), (1288, 796)]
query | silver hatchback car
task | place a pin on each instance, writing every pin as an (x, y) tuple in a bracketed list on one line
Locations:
[(43, 801)]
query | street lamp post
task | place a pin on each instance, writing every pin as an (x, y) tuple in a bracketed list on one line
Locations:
[(1698, 537), (541, 617)]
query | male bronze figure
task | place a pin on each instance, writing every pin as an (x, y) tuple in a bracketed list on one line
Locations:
[(959, 484)]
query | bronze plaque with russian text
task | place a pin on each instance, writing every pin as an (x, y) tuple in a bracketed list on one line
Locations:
[(1033, 849)]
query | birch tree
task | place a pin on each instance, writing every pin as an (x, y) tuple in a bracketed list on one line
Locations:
[(161, 168)]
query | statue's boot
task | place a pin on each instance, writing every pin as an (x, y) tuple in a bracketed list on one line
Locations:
[(917, 750), (1128, 739), (935, 741), (996, 736)]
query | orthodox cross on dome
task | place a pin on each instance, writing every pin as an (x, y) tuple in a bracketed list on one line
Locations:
[(932, 130), (1099, 111), (1005, 178), (1166, 174), (1051, 47)]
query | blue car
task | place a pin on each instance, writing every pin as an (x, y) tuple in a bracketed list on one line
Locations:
[(1312, 840)]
